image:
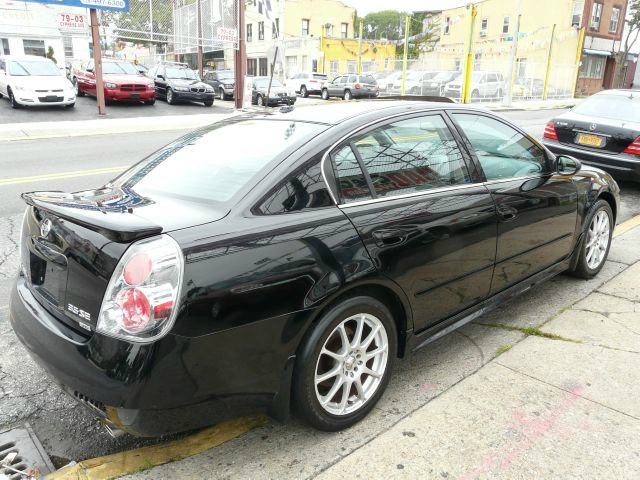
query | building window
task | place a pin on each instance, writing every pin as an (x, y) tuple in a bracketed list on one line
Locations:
[(249, 32), (596, 16), (34, 47), (352, 66), (344, 30), (592, 67), (576, 14), (4, 45), (314, 65), (252, 67), (275, 31), (305, 27), (505, 24), (521, 67), (305, 61), (333, 67), (457, 65), (263, 67), (292, 64), (446, 26), (67, 42), (615, 20), (386, 63), (484, 25), (260, 30)]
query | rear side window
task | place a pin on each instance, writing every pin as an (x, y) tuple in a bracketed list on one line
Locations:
[(303, 189), (351, 180), (212, 165), (411, 156), (502, 151)]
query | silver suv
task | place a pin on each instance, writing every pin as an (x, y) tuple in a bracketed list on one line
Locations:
[(351, 86), (483, 85)]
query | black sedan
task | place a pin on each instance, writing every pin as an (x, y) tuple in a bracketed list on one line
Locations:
[(603, 130), (176, 82), (296, 264), (278, 94)]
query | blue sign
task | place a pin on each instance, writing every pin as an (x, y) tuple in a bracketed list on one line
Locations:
[(117, 5)]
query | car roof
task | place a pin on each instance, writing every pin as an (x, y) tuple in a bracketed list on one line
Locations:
[(335, 113), (620, 92)]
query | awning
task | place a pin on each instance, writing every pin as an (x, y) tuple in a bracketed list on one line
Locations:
[(598, 53)]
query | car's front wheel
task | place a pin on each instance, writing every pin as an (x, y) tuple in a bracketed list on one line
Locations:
[(304, 92), (12, 99), (208, 103), (348, 95), (345, 363), (325, 94), (76, 84), (221, 93), (596, 241), (170, 98), (260, 101)]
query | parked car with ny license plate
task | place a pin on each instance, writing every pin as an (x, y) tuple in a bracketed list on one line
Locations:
[(274, 90), (222, 81), (304, 261), (176, 82), (121, 81)]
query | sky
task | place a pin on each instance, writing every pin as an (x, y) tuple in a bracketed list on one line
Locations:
[(367, 6)]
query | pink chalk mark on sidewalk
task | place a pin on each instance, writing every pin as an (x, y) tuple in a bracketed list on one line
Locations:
[(427, 387)]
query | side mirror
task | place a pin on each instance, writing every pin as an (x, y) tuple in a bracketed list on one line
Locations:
[(566, 165), (161, 77), (90, 70)]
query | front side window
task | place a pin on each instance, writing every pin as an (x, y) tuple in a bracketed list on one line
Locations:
[(596, 16), (502, 151), (303, 189)]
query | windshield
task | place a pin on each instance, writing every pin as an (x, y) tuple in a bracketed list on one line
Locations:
[(618, 107), (180, 73), (213, 165), (225, 75), (414, 76), (25, 68), (264, 83), (118, 68)]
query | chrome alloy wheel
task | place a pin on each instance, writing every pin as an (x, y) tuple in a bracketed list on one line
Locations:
[(351, 364), (597, 239)]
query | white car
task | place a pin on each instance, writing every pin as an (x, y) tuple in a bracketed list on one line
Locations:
[(32, 80), (306, 83)]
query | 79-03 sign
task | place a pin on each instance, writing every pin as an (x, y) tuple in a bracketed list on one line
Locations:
[(72, 21), (117, 5)]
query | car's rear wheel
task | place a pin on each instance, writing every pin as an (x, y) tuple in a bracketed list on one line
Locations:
[(303, 91), (345, 363), (325, 94), (150, 102), (170, 98), (596, 241), (260, 101), (12, 100), (76, 84), (348, 95)]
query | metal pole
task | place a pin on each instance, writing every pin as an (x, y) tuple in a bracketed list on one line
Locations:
[(322, 52), (578, 60), (406, 52), (97, 60), (545, 90), (151, 16), (514, 52), (200, 66), (360, 49), (465, 94), (273, 66), (240, 59)]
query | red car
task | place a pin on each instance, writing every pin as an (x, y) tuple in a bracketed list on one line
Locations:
[(122, 82)]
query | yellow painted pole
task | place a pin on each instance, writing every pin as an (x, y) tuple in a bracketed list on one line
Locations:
[(360, 49), (468, 66), (545, 91), (406, 52), (578, 59), (322, 52)]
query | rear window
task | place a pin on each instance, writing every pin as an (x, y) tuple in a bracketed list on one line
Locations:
[(319, 77), (213, 165), (369, 79), (618, 107)]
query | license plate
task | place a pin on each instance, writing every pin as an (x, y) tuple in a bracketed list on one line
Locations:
[(590, 140), (135, 96)]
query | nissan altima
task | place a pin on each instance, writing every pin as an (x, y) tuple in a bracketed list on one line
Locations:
[(221, 276)]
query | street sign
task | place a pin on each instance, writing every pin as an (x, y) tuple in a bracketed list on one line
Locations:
[(117, 5), (72, 22)]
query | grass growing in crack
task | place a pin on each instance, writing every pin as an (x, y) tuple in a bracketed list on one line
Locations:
[(503, 349), (529, 331), (555, 315)]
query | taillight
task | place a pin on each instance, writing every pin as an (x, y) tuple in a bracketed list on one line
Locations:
[(140, 304), (313, 81), (634, 148), (550, 131), (357, 86)]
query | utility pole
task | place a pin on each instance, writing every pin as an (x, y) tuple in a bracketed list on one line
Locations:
[(240, 59), (465, 94), (578, 59), (360, 49), (545, 90), (97, 60), (406, 51), (514, 52), (200, 65)]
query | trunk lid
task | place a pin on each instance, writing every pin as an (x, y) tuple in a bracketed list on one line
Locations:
[(608, 134)]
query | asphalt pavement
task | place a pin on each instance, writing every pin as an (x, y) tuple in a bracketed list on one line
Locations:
[(69, 433)]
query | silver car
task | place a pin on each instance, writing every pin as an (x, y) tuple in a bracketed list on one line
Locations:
[(351, 86)]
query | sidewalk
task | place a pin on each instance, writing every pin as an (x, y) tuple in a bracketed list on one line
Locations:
[(546, 386), (105, 126)]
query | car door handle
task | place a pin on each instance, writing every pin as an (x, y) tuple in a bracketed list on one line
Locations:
[(506, 213), (391, 236)]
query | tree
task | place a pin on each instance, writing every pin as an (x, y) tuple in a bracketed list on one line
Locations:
[(633, 33), (50, 54)]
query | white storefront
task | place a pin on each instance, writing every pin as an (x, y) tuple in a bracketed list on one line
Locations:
[(31, 28)]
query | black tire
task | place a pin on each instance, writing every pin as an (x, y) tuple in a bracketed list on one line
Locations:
[(76, 84), (12, 100), (222, 95), (1, 95), (71, 105), (582, 268), (150, 102), (303, 91), (170, 98), (347, 95), (208, 103), (325, 94), (260, 101), (306, 402)]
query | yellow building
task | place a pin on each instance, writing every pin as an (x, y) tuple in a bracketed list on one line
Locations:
[(547, 27), (340, 55)]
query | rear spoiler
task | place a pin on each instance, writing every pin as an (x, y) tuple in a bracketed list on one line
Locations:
[(118, 226)]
